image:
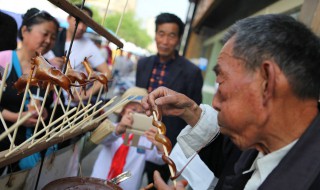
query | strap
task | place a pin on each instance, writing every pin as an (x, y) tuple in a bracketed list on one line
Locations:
[(6, 58), (16, 64)]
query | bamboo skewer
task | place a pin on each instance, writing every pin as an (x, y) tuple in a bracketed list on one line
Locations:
[(100, 109), (35, 135), (115, 107), (3, 82), (82, 115), (89, 117), (91, 88), (100, 117), (21, 108), (80, 102), (165, 151), (41, 110), (5, 127), (93, 114), (68, 107), (14, 126), (64, 129), (86, 113), (99, 94), (36, 108), (80, 98), (59, 126), (58, 93), (56, 103)]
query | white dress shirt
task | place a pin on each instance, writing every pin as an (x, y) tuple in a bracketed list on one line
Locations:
[(191, 139), (263, 166)]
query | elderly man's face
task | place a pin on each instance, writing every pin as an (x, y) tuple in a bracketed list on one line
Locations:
[(238, 99)]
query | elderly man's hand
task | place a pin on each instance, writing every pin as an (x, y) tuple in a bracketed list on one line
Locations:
[(172, 103)]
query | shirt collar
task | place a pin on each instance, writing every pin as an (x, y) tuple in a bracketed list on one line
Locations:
[(176, 54), (263, 163)]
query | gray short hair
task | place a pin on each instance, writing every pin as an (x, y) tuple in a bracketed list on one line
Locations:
[(286, 41)]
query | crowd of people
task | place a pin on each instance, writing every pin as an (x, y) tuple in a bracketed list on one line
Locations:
[(261, 131)]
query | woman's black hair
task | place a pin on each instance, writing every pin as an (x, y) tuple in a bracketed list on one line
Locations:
[(33, 17)]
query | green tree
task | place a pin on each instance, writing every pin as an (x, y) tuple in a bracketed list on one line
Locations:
[(96, 16), (130, 28), (75, 1)]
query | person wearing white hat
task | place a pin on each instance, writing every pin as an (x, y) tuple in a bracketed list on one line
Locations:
[(115, 157)]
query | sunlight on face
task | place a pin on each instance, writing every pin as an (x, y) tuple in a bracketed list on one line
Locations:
[(238, 99), (40, 37)]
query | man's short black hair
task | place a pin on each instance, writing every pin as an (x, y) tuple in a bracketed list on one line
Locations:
[(170, 18), (85, 8), (293, 46)]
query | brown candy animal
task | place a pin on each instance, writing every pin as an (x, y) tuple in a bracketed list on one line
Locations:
[(77, 76), (21, 83), (46, 72), (101, 77)]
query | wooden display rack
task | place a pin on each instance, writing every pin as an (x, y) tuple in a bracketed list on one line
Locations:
[(74, 122)]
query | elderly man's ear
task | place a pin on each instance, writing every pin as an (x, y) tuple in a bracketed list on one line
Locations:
[(268, 72)]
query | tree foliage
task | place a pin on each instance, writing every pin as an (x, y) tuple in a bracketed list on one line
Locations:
[(96, 17), (130, 28)]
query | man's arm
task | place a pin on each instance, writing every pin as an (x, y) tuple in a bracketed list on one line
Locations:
[(104, 68)]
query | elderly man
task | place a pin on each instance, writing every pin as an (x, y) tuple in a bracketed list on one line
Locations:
[(268, 73)]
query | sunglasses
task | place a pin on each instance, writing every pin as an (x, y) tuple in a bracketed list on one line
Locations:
[(42, 14)]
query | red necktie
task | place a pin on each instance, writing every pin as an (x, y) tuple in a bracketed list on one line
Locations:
[(119, 159)]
